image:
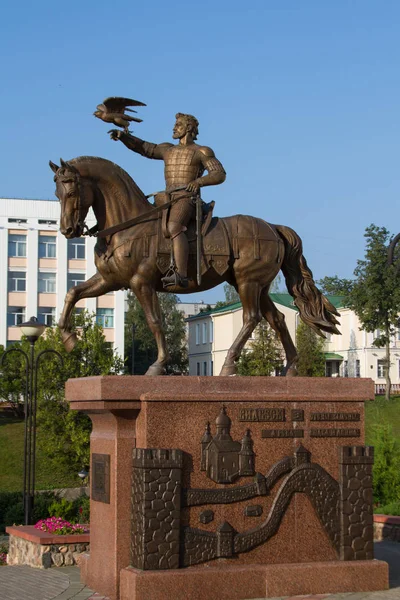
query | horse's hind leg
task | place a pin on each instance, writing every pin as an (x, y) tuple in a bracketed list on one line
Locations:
[(147, 297), (93, 287), (277, 321), (250, 297)]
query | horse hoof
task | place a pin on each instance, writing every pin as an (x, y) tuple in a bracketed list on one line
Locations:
[(155, 370), (228, 371), (69, 341)]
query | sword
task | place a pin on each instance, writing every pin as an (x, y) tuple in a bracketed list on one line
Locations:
[(198, 238)]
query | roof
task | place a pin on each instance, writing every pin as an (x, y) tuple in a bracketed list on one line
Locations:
[(332, 356), (284, 299)]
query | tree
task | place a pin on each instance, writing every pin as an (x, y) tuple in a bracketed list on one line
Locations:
[(231, 296), (145, 347), (64, 434), (310, 350), (264, 355), (335, 286), (375, 295)]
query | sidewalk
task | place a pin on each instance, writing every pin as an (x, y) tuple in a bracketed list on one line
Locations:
[(26, 583)]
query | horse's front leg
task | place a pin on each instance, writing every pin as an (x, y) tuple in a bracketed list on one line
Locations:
[(93, 287), (147, 297)]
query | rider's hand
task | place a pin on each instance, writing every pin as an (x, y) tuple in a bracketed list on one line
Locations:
[(193, 186), (115, 134)]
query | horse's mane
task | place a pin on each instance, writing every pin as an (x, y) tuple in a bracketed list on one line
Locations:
[(103, 169)]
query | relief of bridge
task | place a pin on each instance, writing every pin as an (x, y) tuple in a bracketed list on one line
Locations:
[(344, 508)]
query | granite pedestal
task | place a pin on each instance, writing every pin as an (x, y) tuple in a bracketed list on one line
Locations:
[(228, 487)]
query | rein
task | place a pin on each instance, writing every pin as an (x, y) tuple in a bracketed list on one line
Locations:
[(147, 216)]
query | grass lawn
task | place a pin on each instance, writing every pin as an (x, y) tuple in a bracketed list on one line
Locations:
[(381, 411), (11, 455)]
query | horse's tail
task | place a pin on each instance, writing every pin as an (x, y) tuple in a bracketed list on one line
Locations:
[(315, 309)]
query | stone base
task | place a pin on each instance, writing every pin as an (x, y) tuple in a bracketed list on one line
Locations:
[(33, 548), (254, 581)]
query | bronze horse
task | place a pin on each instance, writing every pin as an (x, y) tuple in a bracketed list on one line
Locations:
[(128, 259)]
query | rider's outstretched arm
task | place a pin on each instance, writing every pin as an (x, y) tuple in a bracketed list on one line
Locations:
[(147, 149)]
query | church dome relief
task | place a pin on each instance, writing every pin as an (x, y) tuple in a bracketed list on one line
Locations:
[(223, 422)]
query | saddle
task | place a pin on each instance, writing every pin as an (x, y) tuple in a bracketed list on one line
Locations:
[(214, 237)]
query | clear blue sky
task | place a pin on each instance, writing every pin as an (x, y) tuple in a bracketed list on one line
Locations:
[(300, 100)]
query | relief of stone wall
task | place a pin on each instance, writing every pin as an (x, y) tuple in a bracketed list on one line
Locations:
[(356, 505), (156, 499)]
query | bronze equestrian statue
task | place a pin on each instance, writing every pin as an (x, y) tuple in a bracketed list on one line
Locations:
[(132, 251), (185, 164)]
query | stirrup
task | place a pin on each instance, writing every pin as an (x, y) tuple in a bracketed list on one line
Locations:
[(175, 280)]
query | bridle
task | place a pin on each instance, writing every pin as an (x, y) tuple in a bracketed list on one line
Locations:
[(78, 192)]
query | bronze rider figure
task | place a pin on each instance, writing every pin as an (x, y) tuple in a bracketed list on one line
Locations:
[(185, 164)]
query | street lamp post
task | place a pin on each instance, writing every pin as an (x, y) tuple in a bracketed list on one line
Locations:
[(32, 329)]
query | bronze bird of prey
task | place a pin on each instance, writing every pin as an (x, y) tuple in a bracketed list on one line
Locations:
[(113, 111)]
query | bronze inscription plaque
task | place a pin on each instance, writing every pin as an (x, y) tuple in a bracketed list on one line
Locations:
[(262, 414), (282, 433), (332, 416), (101, 478), (335, 433)]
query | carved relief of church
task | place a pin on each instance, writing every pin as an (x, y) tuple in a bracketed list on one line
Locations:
[(223, 459)]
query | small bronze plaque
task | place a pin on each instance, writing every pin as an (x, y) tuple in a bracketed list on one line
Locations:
[(297, 414), (282, 433), (335, 433), (101, 478), (338, 416), (261, 414)]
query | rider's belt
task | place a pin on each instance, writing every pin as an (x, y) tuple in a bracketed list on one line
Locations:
[(162, 198)]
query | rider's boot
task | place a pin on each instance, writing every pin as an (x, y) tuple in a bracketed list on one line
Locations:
[(181, 254)]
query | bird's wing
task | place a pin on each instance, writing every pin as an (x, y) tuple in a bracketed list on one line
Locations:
[(117, 104)]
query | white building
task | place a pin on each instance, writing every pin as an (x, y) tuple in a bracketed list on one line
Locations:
[(39, 265), (350, 354)]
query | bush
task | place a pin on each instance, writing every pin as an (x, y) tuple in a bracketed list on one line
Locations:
[(12, 508), (393, 508), (63, 509), (386, 473), (82, 506)]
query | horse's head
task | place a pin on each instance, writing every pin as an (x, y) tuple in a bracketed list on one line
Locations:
[(75, 198)]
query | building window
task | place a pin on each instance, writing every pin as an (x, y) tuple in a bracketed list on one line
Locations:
[(197, 335), (204, 368), (16, 281), (358, 368), (345, 369), (47, 246), (105, 317), (211, 367), (74, 279), (15, 316), (17, 221), (211, 332), (381, 368), (198, 368), (398, 331), (47, 315), (204, 333), (17, 245), (47, 283), (76, 249)]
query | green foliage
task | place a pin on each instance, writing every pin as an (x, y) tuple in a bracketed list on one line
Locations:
[(82, 505), (392, 508), (231, 296), (66, 442), (335, 286), (310, 350), (375, 295), (386, 465), (12, 508), (264, 356), (62, 508), (145, 348)]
